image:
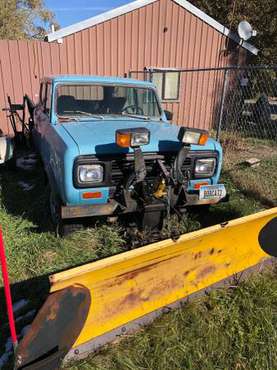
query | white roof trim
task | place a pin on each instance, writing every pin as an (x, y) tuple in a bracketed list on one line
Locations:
[(138, 4), (98, 19), (218, 26)]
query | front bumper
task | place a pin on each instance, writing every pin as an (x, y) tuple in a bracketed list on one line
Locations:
[(89, 210), (108, 209), (193, 200)]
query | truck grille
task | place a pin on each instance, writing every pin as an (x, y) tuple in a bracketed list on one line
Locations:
[(121, 169)]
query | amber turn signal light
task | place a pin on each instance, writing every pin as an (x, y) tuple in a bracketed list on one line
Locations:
[(203, 138), (92, 195), (190, 136), (132, 137), (123, 139), (198, 185)]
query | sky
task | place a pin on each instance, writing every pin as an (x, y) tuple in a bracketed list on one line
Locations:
[(72, 11)]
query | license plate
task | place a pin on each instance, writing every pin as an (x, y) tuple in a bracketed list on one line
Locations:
[(212, 192)]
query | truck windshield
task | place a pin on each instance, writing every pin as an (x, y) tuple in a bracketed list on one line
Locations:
[(101, 100)]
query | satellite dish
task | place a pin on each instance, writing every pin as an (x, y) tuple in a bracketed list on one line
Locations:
[(245, 30)]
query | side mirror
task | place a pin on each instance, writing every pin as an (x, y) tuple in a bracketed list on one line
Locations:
[(169, 115)]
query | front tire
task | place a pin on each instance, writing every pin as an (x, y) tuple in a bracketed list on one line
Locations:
[(67, 228), (62, 227)]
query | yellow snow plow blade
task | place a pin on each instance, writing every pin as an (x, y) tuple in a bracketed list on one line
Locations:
[(124, 290)]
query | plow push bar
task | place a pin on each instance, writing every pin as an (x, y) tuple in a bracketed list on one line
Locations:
[(91, 305)]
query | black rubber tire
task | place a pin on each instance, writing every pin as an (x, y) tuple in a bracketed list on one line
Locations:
[(65, 228), (62, 227), (54, 207), (11, 164)]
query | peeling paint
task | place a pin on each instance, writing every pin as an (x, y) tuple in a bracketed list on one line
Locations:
[(206, 271)]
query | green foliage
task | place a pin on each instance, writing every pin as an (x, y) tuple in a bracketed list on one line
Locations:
[(21, 19), (260, 14), (32, 249), (258, 182)]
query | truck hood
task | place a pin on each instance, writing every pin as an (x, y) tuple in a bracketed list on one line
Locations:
[(98, 137)]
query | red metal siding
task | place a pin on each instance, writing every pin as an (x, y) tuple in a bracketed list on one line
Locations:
[(162, 34)]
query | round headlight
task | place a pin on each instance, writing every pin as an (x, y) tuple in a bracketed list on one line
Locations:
[(90, 173)]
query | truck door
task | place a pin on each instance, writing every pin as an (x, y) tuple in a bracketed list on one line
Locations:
[(42, 118)]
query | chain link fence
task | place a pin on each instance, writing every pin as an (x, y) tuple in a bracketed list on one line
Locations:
[(239, 107), (249, 102), (247, 129)]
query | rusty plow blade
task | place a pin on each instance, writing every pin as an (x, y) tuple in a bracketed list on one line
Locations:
[(91, 305)]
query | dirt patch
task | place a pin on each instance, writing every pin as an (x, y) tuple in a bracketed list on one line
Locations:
[(237, 152)]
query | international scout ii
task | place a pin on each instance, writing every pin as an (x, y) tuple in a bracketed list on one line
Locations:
[(108, 149)]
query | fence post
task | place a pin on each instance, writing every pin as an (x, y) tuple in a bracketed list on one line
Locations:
[(222, 101)]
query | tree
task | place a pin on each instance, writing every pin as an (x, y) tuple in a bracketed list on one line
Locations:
[(260, 14), (21, 19)]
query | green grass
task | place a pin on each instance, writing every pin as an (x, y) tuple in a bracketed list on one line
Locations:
[(259, 182), (189, 338), (248, 180), (31, 245)]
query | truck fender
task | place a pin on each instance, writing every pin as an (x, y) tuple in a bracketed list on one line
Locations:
[(50, 178)]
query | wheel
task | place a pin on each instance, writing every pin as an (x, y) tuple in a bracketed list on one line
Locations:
[(55, 208), (62, 227), (67, 228), (11, 164)]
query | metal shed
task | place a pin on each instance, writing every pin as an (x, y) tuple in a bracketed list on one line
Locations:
[(157, 34)]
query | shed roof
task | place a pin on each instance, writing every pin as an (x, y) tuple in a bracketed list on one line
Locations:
[(90, 22)]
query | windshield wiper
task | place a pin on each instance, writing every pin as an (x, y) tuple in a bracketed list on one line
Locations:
[(67, 118), (89, 114), (79, 112), (144, 118)]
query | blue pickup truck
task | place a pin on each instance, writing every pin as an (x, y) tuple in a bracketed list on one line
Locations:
[(109, 149)]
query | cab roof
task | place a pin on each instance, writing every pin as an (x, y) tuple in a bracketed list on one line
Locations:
[(97, 79)]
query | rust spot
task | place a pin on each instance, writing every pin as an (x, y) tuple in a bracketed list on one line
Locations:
[(134, 298), (166, 287), (212, 251), (58, 324), (206, 271), (52, 312), (186, 273), (132, 274), (198, 255), (227, 264), (219, 251), (131, 299)]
